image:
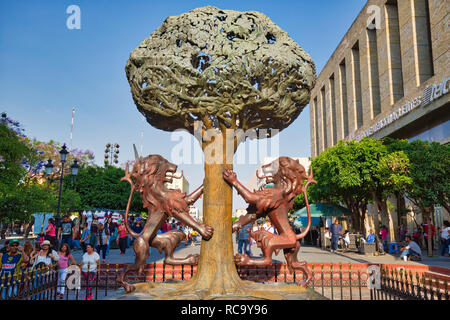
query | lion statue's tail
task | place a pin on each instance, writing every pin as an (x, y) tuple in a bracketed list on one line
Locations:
[(310, 180), (127, 177)]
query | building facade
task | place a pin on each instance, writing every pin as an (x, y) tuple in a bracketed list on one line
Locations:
[(178, 183), (389, 76)]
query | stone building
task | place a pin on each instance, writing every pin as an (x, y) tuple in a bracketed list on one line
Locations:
[(389, 76)]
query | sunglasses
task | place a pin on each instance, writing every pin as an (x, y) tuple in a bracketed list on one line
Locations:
[(14, 245)]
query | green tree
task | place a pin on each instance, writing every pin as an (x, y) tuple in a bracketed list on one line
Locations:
[(100, 187), (429, 169), (343, 176), (12, 151)]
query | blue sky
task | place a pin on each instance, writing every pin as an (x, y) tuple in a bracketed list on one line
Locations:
[(46, 69)]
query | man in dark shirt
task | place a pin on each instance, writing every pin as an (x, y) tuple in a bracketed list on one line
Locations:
[(66, 231), (335, 230)]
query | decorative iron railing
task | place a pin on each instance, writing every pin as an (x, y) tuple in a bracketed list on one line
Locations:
[(334, 281)]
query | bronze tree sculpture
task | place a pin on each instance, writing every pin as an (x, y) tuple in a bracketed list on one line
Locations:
[(213, 72), (148, 177), (287, 176)]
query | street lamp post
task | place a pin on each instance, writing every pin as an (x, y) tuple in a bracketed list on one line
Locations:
[(75, 166), (49, 169), (63, 154)]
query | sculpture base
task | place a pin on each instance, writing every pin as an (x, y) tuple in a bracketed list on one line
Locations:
[(172, 290)]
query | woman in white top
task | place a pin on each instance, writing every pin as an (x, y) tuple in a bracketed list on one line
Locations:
[(46, 256), (445, 237), (89, 268), (43, 258)]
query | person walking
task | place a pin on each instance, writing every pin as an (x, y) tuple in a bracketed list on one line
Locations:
[(111, 227), (102, 240), (84, 240), (63, 263), (243, 239), (93, 232), (445, 237), (384, 237), (426, 233), (122, 238), (89, 268), (77, 237), (335, 231), (66, 231), (50, 232)]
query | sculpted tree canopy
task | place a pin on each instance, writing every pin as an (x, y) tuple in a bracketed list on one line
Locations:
[(226, 68)]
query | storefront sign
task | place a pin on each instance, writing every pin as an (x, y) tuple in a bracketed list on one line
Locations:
[(430, 93)]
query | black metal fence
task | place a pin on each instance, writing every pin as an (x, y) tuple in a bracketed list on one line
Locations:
[(340, 282), (401, 284)]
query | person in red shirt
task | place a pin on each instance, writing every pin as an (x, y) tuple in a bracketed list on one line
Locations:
[(425, 235)]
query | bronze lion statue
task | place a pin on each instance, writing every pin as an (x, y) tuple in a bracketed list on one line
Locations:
[(287, 175), (148, 177)]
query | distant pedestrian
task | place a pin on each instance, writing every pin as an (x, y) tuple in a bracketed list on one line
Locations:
[(63, 263), (122, 238), (112, 233), (243, 239), (84, 239), (93, 232), (102, 240), (66, 231), (384, 237), (50, 232), (445, 237), (426, 233), (336, 232)]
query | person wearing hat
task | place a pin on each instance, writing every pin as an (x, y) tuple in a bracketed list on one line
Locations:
[(10, 264), (46, 256)]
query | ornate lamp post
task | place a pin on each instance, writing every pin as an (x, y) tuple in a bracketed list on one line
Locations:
[(49, 169), (75, 166), (63, 153)]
